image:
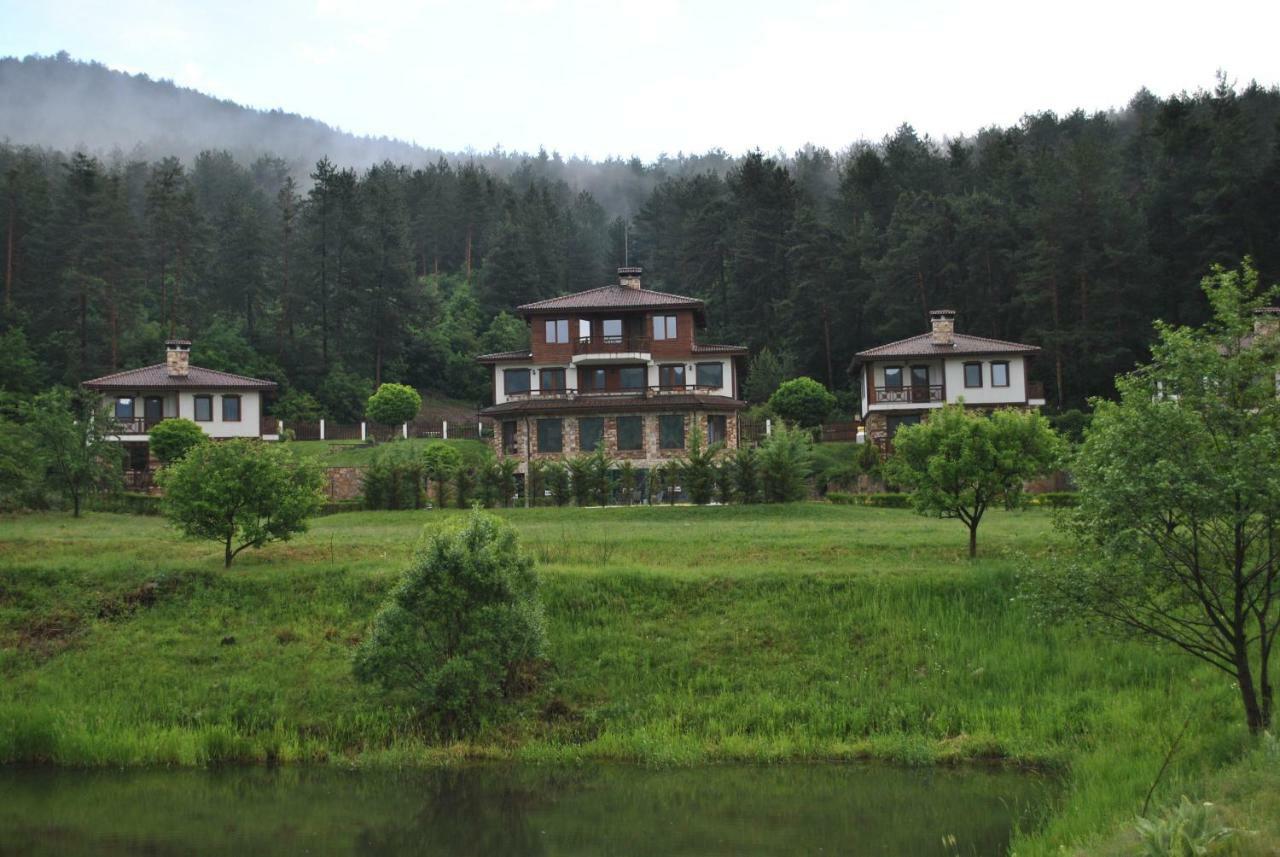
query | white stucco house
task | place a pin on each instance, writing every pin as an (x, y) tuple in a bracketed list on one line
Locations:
[(902, 381), (223, 404)]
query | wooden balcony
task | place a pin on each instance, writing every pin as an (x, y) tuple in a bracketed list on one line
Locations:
[(605, 345), (134, 425), (917, 394), (628, 392)]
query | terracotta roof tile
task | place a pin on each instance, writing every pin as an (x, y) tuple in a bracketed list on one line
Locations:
[(699, 348), (522, 354), (158, 377), (612, 297), (923, 346)]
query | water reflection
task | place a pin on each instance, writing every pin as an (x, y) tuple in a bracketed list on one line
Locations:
[(523, 811)]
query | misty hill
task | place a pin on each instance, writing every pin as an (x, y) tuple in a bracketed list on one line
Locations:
[(68, 105)]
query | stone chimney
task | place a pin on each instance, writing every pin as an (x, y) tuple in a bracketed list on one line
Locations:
[(1266, 321), (629, 278), (178, 357), (944, 327)]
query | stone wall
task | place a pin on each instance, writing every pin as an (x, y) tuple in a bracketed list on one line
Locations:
[(343, 483), (652, 454)]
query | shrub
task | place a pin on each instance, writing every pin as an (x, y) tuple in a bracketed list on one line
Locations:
[(581, 478), (19, 477), (765, 374), (343, 395), (786, 460), (171, 439), (439, 463), (464, 484), (299, 406), (392, 404), (394, 479), (75, 450), (627, 483), (802, 401), (498, 481), (460, 629), (746, 475), (555, 476), (243, 493), (698, 469), (1186, 830), (1055, 499)]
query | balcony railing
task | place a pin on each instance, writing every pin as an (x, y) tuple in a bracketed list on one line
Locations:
[(611, 344), (134, 425), (917, 394), (629, 392)]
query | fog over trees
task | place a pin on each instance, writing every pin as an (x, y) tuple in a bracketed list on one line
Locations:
[(132, 209)]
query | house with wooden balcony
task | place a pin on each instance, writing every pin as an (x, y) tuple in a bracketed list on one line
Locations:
[(902, 381), (223, 404), (618, 368)]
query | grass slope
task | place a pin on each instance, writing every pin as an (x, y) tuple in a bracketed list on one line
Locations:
[(678, 635)]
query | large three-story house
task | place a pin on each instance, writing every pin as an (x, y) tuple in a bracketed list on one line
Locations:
[(617, 368), (904, 380)]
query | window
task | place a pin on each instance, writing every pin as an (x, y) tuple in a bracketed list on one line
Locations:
[(612, 328), (590, 433), (552, 380), (717, 428), (893, 376), (671, 431), (897, 421), (515, 381), (139, 456), (204, 409), (919, 376), (550, 435), (671, 375), (710, 374), (509, 437), (1000, 374), (558, 330), (124, 408), (973, 374), (632, 377), (231, 409), (591, 379), (664, 327), (584, 330), (630, 433)]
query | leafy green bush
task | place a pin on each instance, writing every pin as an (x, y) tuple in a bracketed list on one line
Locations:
[(129, 503), (628, 483), (498, 481), (19, 472), (462, 629), (698, 469), (745, 475), (802, 401), (555, 477), (1189, 829), (1055, 499), (297, 405), (171, 439), (464, 484), (392, 404), (440, 462), (394, 479), (786, 461)]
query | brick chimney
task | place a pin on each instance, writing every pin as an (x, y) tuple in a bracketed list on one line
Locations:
[(944, 326), (1266, 321), (178, 357), (629, 278)]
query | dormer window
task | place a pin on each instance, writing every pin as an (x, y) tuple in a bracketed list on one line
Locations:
[(664, 327)]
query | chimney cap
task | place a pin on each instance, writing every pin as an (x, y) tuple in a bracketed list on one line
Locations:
[(1267, 310), (177, 343), (941, 313), (630, 271)]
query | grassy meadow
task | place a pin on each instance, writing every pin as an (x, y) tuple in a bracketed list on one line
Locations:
[(677, 636)]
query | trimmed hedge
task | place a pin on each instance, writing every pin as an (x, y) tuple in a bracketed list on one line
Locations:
[(882, 501), (128, 503)]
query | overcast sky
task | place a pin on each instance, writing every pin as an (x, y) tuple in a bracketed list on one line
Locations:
[(653, 76)]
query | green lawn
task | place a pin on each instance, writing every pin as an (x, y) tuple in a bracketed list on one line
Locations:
[(678, 635)]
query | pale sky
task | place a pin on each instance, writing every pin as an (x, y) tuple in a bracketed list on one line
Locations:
[(653, 76)]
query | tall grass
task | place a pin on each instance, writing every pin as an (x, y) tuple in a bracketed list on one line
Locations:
[(678, 636)]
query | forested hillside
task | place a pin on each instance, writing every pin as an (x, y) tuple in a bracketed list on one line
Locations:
[(1071, 232)]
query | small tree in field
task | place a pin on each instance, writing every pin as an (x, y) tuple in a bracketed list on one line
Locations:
[(698, 469), (1179, 501), (802, 401), (173, 438), (460, 628), (959, 463), (73, 437), (785, 462), (440, 462), (393, 403), (242, 493)]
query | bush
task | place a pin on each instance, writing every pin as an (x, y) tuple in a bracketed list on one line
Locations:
[(343, 395), (171, 439), (745, 475), (881, 501), (393, 404), (766, 372), (295, 405), (698, 470), (802, 401), (555, 476), (461, 630), (498, 481), (628, 483), (1055, 499), (786, 460), (129, 503), (394, 479), (242, 493), (1186, 830), (440, 462)]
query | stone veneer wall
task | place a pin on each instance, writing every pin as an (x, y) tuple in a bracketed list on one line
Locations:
[(343, 483), (651, 454)]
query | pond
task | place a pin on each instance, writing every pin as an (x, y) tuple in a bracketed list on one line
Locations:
[(515, 810)]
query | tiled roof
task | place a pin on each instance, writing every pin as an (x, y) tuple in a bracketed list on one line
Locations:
[(623, 404), (613, 297), (158, 377), (923, 346), (719, 349), (522, 354)]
